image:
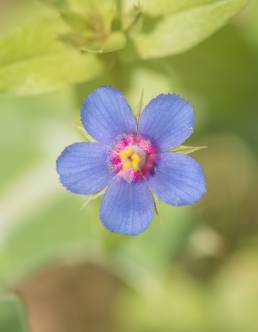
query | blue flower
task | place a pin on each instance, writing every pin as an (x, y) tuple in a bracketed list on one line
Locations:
[(131, 160)]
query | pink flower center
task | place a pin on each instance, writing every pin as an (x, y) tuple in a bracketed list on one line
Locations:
[(133, 158)]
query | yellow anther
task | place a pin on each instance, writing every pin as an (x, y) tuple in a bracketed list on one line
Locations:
[(126, 153), (135, 165), (135, 157), (127, 164)]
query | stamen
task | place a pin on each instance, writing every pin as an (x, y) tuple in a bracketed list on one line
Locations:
[(134, 160), (124, 154), (136, 157), (135, 165), (127, 164)]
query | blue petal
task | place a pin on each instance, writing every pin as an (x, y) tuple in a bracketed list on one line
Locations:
[(127, 208), (167, 120), (106, 115), (178, 180), (83, 168)]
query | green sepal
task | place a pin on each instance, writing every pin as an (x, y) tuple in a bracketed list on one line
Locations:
[(187, 149), (139, 107), (156, 203), (92, 197)]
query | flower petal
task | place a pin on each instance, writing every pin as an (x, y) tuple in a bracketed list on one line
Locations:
[(83, 168), (106, 115), (127, 208), (167, 120), (178, 180)]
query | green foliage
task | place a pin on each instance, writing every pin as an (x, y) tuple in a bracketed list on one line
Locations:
[(56, 3), (178, 32), (101, 13), (69, 47), (11, 314), (33, 40), (112, 43), (33, 60), (51, 72), (91, 23), (60, 231), (165, 7)]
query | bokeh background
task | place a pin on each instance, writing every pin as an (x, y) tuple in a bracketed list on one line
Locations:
[(195, 268)]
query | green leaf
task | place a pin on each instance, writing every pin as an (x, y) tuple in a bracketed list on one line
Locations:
[(12, 315), (164, 7), (91, 27), (188, 149), (59, 4), (101, 12), (45, 223), (131, 15), (33, 60), (34, 39), (114, 42), (178, 32), (76, 21), (140, 260), (43, 75), (60, 230)]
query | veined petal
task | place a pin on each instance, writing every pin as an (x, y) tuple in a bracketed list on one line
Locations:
[(83, 168), (127, 208), (106, 115), (167, 120), (178, 180)]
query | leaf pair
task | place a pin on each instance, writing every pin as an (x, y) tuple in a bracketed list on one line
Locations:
[(33, 60), (183, 24), (47, 54)]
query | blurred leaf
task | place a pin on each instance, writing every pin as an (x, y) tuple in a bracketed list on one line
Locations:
[(178, 302), (150, 78), (75, 20), (33, 60), (91, 25), (101, 13), (23, 140), (52, 233), (39, 221), (114, 42), (234, 298), (146, 257), (188, 149), (181, 31), (35, 39), (12, 315), (249, 22), (49, 73), (208, 74), (131, 15), (164, 7), (59, 4)]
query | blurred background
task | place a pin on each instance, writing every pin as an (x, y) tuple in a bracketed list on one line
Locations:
[(195, 268)]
